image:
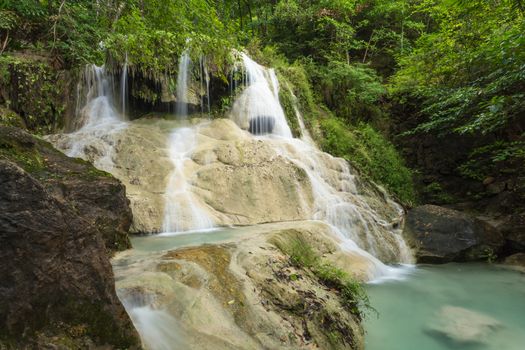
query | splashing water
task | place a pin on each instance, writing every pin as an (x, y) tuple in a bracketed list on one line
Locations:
[(182, 210), (258, 107)]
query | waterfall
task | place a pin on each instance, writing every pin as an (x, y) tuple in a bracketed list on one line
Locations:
[(257, 108), (337, 201), (96, 120), (305, 133), (182, 211), (182, 85), (124, 87), (205, 79)]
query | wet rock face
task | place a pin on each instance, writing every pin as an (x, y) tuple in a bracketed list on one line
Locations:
[(56, 282), (516, 261), (441, 235)]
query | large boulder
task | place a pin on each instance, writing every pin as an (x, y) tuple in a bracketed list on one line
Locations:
[(95, 195), (56, 283), (441, 235)]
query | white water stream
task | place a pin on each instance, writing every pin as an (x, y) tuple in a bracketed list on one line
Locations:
[(182, 85), (182, 210), (258, 107)]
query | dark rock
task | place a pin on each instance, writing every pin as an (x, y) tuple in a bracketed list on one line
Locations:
[(516, 260), (441, 235), (262, 125), (488, 180), (56, 281), (96, 194), (513, 229)]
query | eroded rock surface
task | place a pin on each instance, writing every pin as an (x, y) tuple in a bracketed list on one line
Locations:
[(245, 293), (232, 178)]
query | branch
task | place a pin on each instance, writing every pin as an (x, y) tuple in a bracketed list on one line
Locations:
[(4, 45), (56, 22)]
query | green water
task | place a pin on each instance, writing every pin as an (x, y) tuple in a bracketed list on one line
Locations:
[(167, 242), (162, 242), (408, 309)]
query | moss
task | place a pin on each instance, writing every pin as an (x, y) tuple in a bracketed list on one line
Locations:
[(91, 319), (352, 295), (434, 193), (35, 91), (287, 102), (31, 161), (10, 118), (368, 151)]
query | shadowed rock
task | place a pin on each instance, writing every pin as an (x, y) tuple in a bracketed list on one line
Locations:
[(56, 282), (262, 125), (441, 235)]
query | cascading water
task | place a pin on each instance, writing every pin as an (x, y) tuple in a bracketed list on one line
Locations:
[(338, 198), (205, 79), (305, 133), (182, 85), (182, 210), (257, 108), (336, 201), (96, 118), (124, 88)]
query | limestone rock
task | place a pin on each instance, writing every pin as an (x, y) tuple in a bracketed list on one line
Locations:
[(245, 293), (441, 235)]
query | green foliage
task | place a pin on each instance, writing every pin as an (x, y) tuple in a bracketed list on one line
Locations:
[(434, 193), (35, 93), (372, 154), (470, 71), (352, 92), (493, 159), (152, 35), (69, 31), (302, 255)]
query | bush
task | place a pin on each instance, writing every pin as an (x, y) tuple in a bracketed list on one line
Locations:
[(372, 154), (353, 295)]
